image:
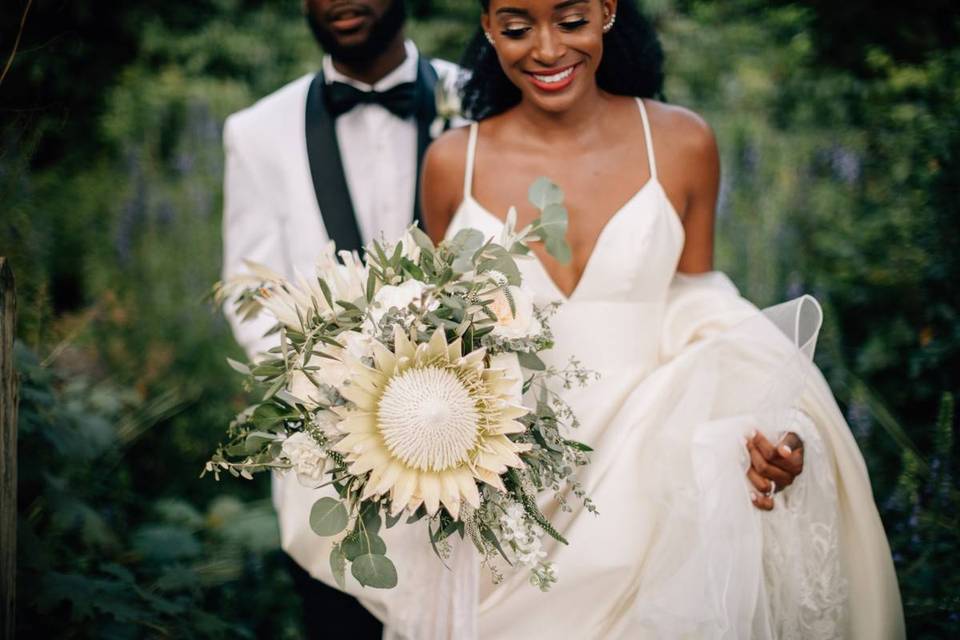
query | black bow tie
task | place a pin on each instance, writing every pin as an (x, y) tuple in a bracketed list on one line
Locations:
[(341, 97)]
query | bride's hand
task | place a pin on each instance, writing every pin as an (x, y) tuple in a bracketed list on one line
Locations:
[(769, 465)]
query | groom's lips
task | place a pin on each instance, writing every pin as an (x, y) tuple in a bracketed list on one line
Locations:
[(348, 19)]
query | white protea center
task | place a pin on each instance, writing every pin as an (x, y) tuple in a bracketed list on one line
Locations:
[(427, 423), (428, 419)]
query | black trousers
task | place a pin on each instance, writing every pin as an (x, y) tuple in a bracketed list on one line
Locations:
[(329, 613)]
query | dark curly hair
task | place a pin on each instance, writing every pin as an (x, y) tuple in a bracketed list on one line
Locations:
[(632, 65)]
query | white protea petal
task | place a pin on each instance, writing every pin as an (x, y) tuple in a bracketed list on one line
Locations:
[(468, 487), (402, 346), (430, 492), (437, 346), (385, 360), (454, 349), (450, 494), (359, 396), (513, 411), (405, 485), (508, 426), (368, 460), (389, 477), (504, 450), (357, 443), (356, 421), (474, 358), (490, 478)]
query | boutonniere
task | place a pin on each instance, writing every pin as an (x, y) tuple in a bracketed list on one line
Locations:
[(448, 105)]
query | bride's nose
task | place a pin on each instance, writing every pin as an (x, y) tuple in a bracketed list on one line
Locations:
[(547, 46)]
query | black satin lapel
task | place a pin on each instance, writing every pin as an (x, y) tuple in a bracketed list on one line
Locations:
[(426, 114), (326, 169)]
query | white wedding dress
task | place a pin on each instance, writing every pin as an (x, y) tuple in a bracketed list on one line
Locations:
[(688, 368)]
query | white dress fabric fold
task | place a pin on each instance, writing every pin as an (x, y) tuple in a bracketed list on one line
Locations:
[(687, 369)]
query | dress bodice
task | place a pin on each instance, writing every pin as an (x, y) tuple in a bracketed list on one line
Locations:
[(623, 289)]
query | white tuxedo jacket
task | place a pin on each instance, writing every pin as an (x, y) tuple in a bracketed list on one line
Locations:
[(270, 211), (271, 216)]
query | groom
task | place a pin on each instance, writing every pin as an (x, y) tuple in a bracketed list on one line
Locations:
[(330, 156)]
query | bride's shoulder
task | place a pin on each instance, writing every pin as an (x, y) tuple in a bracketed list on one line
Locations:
[(444, 166), (687, 131), (691, 138)]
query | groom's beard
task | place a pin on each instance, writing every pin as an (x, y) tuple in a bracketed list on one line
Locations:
[(381, 36)]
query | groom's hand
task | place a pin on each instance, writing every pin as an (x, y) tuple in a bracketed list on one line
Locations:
[(769, 464)]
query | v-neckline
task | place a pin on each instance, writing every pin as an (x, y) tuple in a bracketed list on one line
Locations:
[(564, 297)]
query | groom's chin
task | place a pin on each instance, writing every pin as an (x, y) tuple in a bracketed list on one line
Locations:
[(361, 38)]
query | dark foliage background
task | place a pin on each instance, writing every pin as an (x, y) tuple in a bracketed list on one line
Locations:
[(839, 125)]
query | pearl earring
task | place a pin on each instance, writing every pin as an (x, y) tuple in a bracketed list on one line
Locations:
[(489, 38), (610, 23)]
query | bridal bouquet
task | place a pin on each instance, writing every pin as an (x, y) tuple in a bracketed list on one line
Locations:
[(399, 381)]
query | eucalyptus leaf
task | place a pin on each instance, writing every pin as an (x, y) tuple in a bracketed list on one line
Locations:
[(531, 361), (338, 566), (544, 192), (462, 263), (256, 440), (357, 544), (269, 414), (467, 241), (328, 517), (559, 249), (375, 571), (392, 520), (370, 517), (423, 240)]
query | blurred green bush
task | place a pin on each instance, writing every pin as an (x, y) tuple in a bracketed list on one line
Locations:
[(841, 179)]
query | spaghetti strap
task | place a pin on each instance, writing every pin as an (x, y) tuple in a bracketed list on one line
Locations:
[(648, 139), (471, 154)]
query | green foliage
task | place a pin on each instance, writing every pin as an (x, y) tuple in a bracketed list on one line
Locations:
[(328, 517), (104, 556)]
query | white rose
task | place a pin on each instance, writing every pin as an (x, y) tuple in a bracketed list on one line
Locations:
[(390, 296), (519, 322), (308, 459), (510, 363)]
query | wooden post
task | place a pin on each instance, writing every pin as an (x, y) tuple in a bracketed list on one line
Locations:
[(8, 453)]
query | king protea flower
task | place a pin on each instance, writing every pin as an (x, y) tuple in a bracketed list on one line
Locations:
[(427, 423)]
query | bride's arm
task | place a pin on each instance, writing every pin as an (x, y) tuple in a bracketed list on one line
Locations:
[(441, 188), (689, 170)]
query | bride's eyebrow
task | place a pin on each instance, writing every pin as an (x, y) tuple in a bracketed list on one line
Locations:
[(516, 11)]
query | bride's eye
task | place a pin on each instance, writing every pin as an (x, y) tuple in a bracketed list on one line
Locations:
[(573, 25), (515, 32)]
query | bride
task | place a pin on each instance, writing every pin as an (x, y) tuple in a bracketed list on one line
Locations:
[(706, 408), (688, 368)]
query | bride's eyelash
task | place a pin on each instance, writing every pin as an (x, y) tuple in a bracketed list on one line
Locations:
[(573, 25), (570, 25), (515, 33)]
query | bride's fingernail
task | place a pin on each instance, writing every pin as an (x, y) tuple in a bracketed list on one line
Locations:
[(753, 434), (753, 497), (787, 449)]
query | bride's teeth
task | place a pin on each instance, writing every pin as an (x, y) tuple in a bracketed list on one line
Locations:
[(557, 77)]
